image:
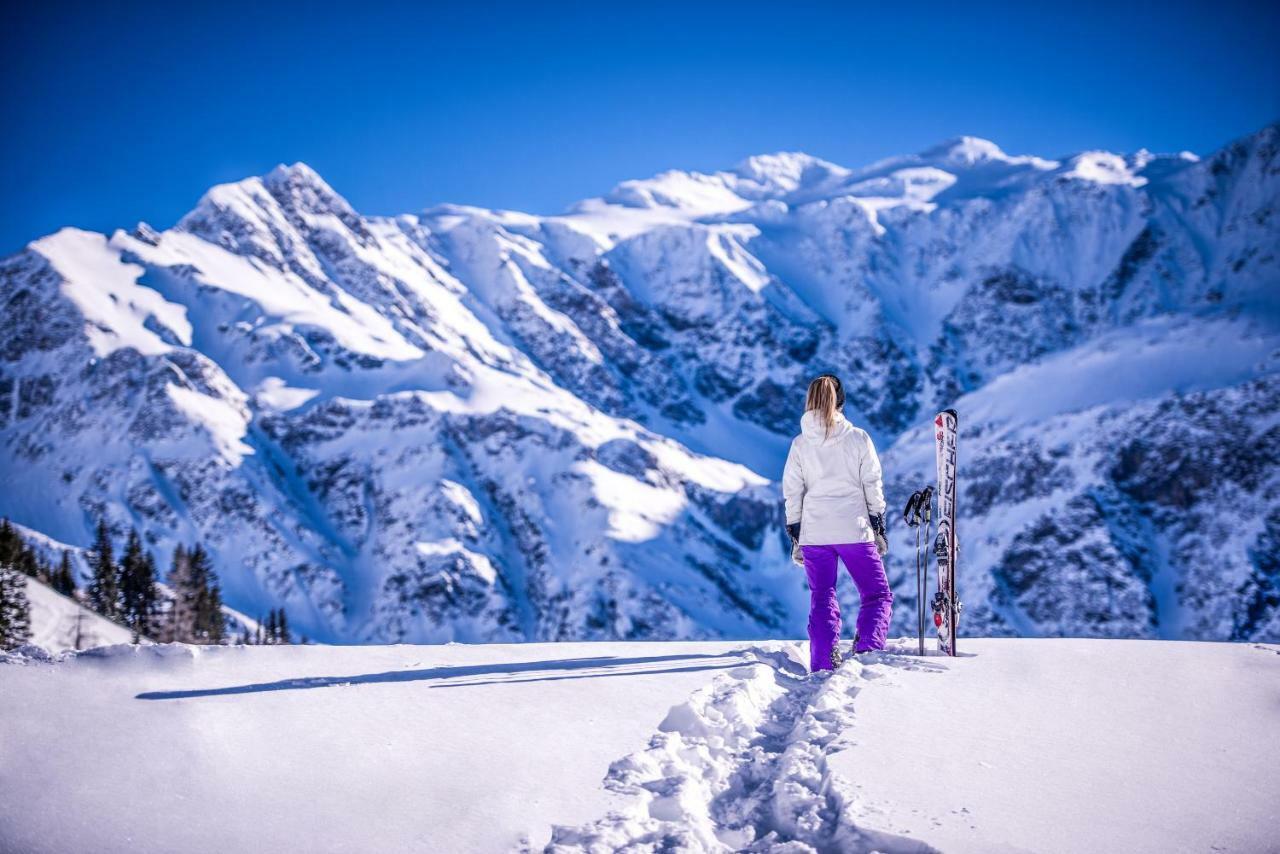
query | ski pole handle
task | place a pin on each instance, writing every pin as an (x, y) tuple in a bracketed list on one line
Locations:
[(911, 513)]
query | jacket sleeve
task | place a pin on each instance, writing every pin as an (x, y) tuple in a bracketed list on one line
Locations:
[(793, 486), (872, 479)]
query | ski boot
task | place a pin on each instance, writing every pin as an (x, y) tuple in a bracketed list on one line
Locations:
[(836, 658)]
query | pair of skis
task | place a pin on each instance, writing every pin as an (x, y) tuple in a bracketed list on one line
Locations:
[(918, 513)]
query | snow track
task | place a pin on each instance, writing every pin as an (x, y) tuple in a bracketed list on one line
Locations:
[(1054, 746), (742, 766)]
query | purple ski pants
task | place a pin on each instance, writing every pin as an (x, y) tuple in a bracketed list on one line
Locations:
[(863, 562)]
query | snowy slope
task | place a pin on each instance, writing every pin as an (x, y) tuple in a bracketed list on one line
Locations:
[(493, 426), (1056, 745), (60, 623)]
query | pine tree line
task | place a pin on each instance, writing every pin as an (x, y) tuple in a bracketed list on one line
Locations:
[(125, 592), (195, 615), (18, 559), (273, 630), (15, 611), (16, 554)]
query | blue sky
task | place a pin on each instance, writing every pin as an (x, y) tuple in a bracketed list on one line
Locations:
[(118, 114)]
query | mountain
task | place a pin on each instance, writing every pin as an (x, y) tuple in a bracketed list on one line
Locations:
[(470, 424)]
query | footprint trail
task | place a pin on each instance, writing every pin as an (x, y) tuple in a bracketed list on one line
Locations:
[(742, 766)]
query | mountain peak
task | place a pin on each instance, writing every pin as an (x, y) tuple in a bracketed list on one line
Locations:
[(786, 171), (965, 151), (298, 174), (301, 189)]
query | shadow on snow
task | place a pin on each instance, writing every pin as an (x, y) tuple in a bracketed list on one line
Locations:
[(599, 665)]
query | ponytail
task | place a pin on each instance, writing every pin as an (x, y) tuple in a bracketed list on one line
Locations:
[(824, 400)]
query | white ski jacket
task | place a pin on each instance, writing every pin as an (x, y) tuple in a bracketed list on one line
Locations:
[(832, 484)]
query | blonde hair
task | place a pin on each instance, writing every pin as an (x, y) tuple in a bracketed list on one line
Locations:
[(822, 400)]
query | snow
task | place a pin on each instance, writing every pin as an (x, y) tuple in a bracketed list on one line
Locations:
[(744, 267), (698, 194), (107, 293), (637, 511), (965, 151), (1143, 361), (224, 424), (916, 183), (1074, 745), (785, 172), (480, 563), (1103, 167), (274, 394), (60, 623), (283, 297), (1047, 745), (448, 748)]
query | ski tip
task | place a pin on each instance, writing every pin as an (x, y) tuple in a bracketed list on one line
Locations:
[(955, 415)]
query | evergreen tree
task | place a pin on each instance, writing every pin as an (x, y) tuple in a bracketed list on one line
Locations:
[(217, 628), (15, 611), (64, 579), (28, 562), (282, 625), (137, 587), (196, 613), (104, 589), (208, 614), (180, 624), (153, 606), (257, 633), (273, 628), (10, 543)]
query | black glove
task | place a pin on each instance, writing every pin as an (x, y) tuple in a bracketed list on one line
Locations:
[(882, 538), (797, 556)]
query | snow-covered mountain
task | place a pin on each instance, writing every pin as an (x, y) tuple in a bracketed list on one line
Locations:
[(487, 425)]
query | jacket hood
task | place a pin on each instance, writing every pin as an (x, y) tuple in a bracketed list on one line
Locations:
[(815, 431)]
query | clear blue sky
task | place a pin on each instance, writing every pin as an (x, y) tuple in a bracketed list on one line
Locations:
[(120, 112)]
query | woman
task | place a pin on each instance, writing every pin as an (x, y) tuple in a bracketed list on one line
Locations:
[(835, 509)]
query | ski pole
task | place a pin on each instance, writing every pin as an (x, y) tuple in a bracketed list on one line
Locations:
[(919, 593), (912, 516), (926, 509)]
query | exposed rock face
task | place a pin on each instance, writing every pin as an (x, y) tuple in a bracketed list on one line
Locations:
[(484, 425)]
